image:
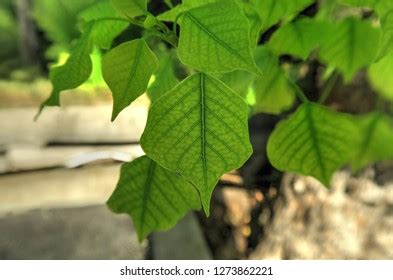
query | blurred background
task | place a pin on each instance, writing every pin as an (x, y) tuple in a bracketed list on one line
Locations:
[(57, 173)]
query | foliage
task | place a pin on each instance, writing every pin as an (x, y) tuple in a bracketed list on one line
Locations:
[(197, 126)]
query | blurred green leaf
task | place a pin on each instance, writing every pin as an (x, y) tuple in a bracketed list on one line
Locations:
[(386, 42), (8, 35), (164, 78), (376, 140), (272, 11), (58, 18), (106, 23), (380, 75), (314, 141), (73, 73), (131, 8), (186, 5), (273, 93), (351, 45), (299, 38), (239, 81)]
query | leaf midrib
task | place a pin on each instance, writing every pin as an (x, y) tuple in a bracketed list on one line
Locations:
[(215, 38), (146, 193), (313, 137), (132, 70), (203, 128)]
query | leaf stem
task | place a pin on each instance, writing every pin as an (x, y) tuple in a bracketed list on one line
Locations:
[(299, 93), (111, 18), (169, 3), (328, 88)]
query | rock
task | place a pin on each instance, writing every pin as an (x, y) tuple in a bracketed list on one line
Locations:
[(351, 220)]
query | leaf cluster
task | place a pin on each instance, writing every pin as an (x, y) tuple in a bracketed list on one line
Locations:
[(207, 65)]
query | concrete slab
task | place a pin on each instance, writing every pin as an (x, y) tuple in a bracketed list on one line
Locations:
[(75, 233)]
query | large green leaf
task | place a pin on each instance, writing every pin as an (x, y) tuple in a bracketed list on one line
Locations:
[(299, 38), (376, 140), (74, 72), (273, 93), (131, 8), (198, 129), (313, 141), (353, 44), (215, 38), (164, 78), (154, 197), (271, 11), (107, 25), (127, 70), (380, 75)]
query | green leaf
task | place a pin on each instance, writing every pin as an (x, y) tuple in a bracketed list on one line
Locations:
[(380, 6), (215, 38), (351, 45), (273, 93), (107, 25), (198, 129), (126, 70), (8, 35), (175, 12), (239, 81), (254, 20), (376, 140), (131, 8), (57, 18), (271, 11), (164, 78), (386, 42), (313, 141), (299, 38), (154, 197), (380, 75), (73, 73)]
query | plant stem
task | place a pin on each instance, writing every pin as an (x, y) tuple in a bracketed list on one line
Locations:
[(169, 3), (328, 88), (299, 93)]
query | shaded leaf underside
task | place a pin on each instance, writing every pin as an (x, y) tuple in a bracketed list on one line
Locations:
[(127, 70), (154, 197), (198, 129), (216, 38)]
